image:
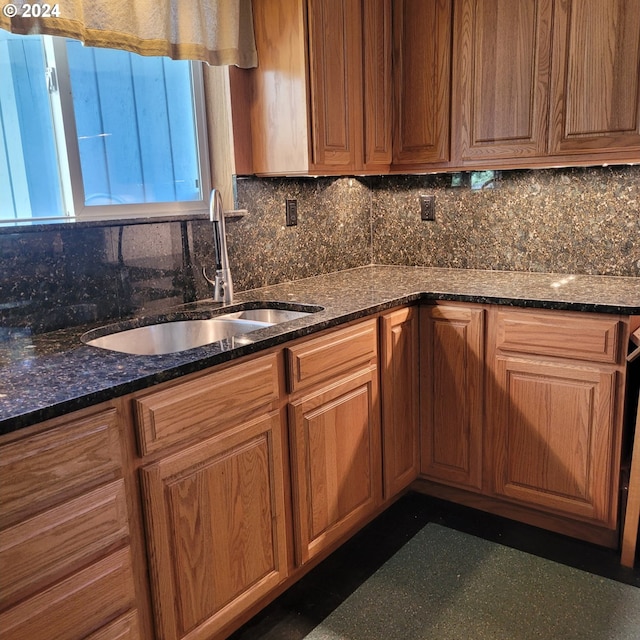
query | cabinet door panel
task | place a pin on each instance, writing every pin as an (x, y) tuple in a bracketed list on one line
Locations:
[(377, 82), (451, 376), (336, 461), (552, 436), (422, 76), (217, 531), (335, 61), (400, 399), (502, 53), (596, 76)]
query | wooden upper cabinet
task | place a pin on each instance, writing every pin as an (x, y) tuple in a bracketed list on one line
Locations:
[(335, 63), (321, 95), (595, 77), (502, 56), (377, 83), (422, 79)]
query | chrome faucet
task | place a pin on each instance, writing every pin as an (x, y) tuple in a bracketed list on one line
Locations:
[(222, 283)]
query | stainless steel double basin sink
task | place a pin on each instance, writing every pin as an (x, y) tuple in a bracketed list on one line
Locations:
[(171, 336)]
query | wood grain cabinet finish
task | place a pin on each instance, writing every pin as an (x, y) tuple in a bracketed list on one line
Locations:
[(422, 81), (554, 420), (335, 452), (452, 393), (502, 57), (65, 562), (399, 393), (321, 95), (539, 79), (334, 430), (216, 527), (206, 404), (595, 88)]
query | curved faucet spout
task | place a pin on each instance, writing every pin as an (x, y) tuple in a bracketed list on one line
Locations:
[(222, 283)]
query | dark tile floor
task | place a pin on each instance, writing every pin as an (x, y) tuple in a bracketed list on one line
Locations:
[(316, 595)]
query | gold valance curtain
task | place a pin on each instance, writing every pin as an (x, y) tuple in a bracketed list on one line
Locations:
[(219, 32)]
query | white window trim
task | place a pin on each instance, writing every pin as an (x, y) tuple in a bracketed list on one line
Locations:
[(72, 188)]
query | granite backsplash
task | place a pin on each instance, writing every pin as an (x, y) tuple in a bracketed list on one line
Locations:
[(578, 220)]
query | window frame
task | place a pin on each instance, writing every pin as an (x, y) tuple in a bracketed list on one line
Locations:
[(68, 151)]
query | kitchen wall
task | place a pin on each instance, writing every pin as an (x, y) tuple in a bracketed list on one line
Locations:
[(584, 220)]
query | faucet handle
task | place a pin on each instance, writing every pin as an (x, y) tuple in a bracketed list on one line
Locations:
[(207, 278)]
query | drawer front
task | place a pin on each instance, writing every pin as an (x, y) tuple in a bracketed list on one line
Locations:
[(124, 628), (51, 467), (77, 606), (580, 337), (41, 550), (331, 355), (206, 405)]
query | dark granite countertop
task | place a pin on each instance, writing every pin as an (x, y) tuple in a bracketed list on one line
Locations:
[(48, 375)]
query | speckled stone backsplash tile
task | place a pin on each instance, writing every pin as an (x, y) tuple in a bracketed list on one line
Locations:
[(64, 275), (584, 221), (333, 230), (578, 220)]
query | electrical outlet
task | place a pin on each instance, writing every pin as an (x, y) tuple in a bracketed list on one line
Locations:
[(291, 212), (427, 207)]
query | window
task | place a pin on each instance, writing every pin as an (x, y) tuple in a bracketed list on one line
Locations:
[(98, 133)]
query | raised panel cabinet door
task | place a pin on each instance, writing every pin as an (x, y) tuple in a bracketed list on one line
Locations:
[(400, 399), (422, 79), (377, 83), (552, 437), (595, 90), (452, 394), (335, 79), (501, 78), (216, 523), (335, 453)]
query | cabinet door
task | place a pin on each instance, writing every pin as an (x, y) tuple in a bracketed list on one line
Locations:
[(335, 65), (451, 394), (400, 401), (335, 449), (422, 77), (215, 515), (501, 78), (377, 83), (595, 87), (551, 436)]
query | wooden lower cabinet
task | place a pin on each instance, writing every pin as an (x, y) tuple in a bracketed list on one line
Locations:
[(216, 527), (335, 452), (66, 565), (399, 394), (452, 393), (551, 436), (521, 413), (554, 415)]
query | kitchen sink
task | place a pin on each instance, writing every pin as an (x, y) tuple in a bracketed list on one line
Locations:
[(171, 336)]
